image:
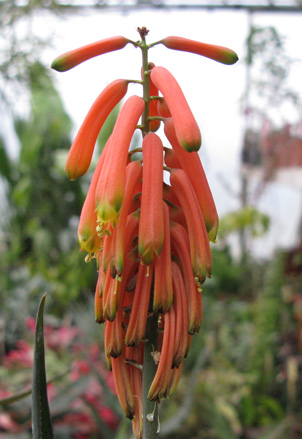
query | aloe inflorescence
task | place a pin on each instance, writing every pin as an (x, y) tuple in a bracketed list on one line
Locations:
[(150, 239)]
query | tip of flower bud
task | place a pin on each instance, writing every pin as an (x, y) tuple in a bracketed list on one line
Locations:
[(59, 64), (89, 241), (107, 212)]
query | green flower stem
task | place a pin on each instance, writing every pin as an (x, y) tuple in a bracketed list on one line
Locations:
[(150, 408), (146, 87)]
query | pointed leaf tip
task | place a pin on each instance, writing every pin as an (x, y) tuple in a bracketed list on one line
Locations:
[(41, 421)]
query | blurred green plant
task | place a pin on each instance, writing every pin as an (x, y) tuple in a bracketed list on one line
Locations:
[(39, 214)]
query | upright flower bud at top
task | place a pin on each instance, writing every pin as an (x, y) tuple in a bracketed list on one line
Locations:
[(186, 128), (70, 59), (217, 53), (81, 151)]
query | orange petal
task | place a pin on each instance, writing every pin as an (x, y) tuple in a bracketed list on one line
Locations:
[(191, 164), (171, 158), (162, 108), (151, 225), (80, 154), (111, 185), (217, 53), (133, 174), (180, 244), (123, 384), (138, 318), (163, 291), (187, 130), (199, 242), (174, 379), (160, 383), (87, 234), (98, 305), (181, 316), (135, 358), (70, 59)]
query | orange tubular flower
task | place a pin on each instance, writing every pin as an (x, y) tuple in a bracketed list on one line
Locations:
[(123, 384), (174, 379), (162, 108), (191, 164), (87, 234), (171, 158), (199, 242), (80, 154), (217, 53), (181, 316), (108, 248), (163, 291), (70, 59), (111, 185), (113, 339), (160, 384), (135, 360), (181, 246), (133, 174), (187, 130), (138, 318), (151, 225), (98, 305)]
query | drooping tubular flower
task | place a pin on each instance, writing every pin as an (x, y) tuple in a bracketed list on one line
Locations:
[(151, 239)]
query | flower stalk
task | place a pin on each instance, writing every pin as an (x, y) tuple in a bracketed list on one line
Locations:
[(150, 408)]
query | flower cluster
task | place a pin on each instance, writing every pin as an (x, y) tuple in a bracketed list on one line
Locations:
[(149, 235)]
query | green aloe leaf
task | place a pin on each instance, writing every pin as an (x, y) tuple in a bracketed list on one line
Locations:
[(41, 422)]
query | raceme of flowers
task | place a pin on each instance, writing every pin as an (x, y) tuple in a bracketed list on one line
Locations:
[(150, 237)]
